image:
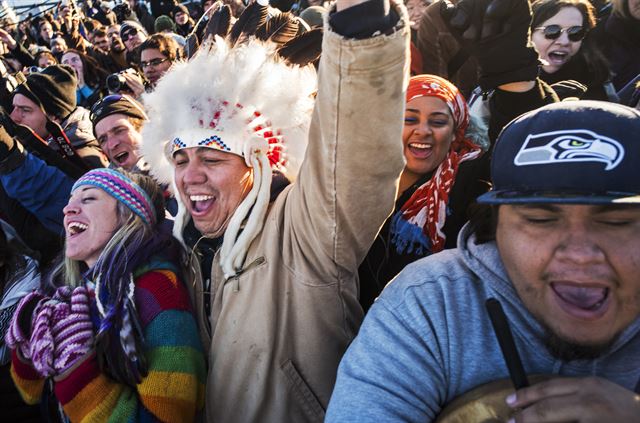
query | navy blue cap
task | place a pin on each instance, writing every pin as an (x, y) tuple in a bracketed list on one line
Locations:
[(575, 152)]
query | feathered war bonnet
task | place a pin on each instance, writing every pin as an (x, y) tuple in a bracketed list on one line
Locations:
[(249, 91)]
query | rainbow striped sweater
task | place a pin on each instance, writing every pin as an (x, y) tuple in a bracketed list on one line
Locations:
[(172, 391)]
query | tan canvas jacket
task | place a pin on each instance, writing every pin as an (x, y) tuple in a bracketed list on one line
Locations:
[(279, 328)]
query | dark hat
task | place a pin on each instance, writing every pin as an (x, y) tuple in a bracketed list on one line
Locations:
[(164, 23), (116, 104), (180, 8), (313, 15), (127, 25), (54, 89), (575, 152)]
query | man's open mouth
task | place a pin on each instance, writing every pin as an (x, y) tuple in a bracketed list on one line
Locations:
[(121, 157), (201, 203), (582, 301)]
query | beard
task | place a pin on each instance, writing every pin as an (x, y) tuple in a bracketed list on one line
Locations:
[(568, 350)]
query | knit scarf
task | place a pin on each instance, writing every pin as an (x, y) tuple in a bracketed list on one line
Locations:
[(120, 337), (417, 228)]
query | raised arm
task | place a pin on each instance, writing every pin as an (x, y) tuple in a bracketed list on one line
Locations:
[(348, 181), (41, 189)]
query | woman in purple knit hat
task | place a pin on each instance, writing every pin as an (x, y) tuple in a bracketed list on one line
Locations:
[(113, 330)]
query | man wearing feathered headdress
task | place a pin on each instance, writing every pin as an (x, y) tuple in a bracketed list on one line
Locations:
[(278, 239)]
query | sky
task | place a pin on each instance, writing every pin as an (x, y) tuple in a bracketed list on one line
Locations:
[(13, 3)]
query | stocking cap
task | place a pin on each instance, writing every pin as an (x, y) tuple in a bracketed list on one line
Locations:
[(123, 189), (127, 25), (164, 23), (238, 95), (54, 89)]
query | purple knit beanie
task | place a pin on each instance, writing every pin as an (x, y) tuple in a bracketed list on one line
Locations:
[(122, 189)]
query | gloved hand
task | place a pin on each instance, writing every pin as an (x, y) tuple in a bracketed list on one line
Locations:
[(41, 342), (19, 332), (73, 333), (497, 33), (63, 331), (6, 143), (569, 89)]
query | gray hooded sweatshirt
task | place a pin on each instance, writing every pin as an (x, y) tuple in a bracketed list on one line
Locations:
[(428, 339)]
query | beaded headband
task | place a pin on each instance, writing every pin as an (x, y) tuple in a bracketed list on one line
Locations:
[(122, 189)]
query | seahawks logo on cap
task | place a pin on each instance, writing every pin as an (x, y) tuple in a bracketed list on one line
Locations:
[(575, 145)]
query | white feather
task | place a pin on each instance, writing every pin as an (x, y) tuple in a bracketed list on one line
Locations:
[(187, 97)]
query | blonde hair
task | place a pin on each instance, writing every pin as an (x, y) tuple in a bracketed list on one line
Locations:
[(70, 270), (119, 342)]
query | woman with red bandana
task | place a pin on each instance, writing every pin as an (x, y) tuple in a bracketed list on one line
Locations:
[(441, 178)]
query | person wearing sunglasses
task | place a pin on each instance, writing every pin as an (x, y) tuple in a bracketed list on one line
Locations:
[(280, 232), (559, 32), (157, 54), (132, 34)]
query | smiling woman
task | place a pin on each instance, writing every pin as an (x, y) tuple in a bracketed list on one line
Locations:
[(440, 180), (90, 220), (115, 305)]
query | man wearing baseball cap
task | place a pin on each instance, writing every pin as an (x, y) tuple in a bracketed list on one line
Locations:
[(558, 246)]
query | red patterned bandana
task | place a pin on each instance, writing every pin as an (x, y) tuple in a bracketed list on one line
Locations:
[(417, 227)]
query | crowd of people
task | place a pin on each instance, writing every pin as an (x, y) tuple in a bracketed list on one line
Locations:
[(254, 211)]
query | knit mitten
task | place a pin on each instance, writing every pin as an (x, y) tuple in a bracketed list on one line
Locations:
[(41, 342), (72, 330), (19, 332)]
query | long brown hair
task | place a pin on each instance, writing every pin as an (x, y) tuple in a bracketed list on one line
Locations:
[(94, 75)]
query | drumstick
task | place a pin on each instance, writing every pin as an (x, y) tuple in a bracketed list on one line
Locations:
[(507, 345)]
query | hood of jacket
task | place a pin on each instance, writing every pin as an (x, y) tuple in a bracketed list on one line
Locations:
[(79, 129)]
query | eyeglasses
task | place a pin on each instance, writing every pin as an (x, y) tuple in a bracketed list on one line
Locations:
[(553, 32), (129, 34), (153, 62), (98, 107)]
